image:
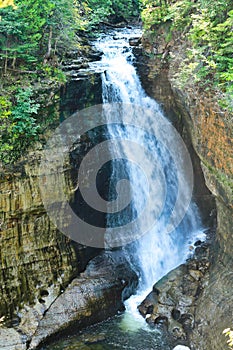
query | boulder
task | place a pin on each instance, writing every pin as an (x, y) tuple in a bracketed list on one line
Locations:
[(171, 304), (135, 41), (10, 339), (94, 296)]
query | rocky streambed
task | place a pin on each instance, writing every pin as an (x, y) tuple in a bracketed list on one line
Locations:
[(171, 305)]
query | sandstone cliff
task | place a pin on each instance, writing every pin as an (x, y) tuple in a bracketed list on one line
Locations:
[(208, 128)]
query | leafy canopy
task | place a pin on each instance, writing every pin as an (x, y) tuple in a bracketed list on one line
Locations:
[(208, 26)]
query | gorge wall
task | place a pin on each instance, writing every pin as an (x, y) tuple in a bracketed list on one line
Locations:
[(37, 261), (207, 129)]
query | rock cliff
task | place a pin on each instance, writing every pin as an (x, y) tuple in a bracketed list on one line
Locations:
[(208, 129), (37, 261)]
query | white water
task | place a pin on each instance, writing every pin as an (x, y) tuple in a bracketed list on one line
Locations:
[(157, 252)]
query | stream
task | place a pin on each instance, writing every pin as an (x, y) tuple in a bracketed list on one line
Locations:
[(159, 249)]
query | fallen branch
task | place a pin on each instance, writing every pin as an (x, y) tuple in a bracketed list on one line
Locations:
[(22, 71), (118, 25)]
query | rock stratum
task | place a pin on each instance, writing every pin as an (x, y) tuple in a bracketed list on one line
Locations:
[(95, 295), (208, 130)]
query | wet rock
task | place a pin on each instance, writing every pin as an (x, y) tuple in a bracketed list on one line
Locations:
[(93, 339), (10, 339), (85, 88), (86, 51), (125, 49), (107, 280), (137, 50), (176, 314), (83, 73), (95, 55), (197, 243), (201, 251), (135, 41), (161, 320), (177, 332), (74, 54), (187, 321), (171, 304), (147, 306), (75, 66)]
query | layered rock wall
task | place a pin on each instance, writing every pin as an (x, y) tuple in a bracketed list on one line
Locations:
[(36, 259), (208, 129)]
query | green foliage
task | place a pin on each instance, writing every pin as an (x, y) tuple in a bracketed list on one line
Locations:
[(153, 12), (22, 30), (5, 125), (208, 26), (126, 9), (229, 333), (96, 11), (156, 12), (53, 74), (19, 128), (34, 37), (35, 30), (180, 12), (212, 47)]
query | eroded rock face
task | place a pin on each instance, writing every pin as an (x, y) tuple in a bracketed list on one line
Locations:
[(37, 261), (209, 131), (10, 339), (172, 302), (34, 256), (214, 310), (97, 294)]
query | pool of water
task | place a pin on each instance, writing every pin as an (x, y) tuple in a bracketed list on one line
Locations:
[(119, 332)]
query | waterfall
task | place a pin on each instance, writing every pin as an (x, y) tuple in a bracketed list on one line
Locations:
[(157, 251)]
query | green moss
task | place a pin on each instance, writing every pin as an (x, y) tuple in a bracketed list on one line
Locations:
[(226, 181)]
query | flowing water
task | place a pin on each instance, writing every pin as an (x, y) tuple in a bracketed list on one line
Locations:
[(158, 250)]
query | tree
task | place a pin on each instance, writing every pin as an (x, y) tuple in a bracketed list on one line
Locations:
[(21, 31), (59, 29), (32, 31)]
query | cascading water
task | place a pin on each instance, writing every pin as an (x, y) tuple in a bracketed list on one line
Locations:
[(157, 252), (158, 249)]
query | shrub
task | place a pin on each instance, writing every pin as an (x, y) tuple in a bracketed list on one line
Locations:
[(19, 128)]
